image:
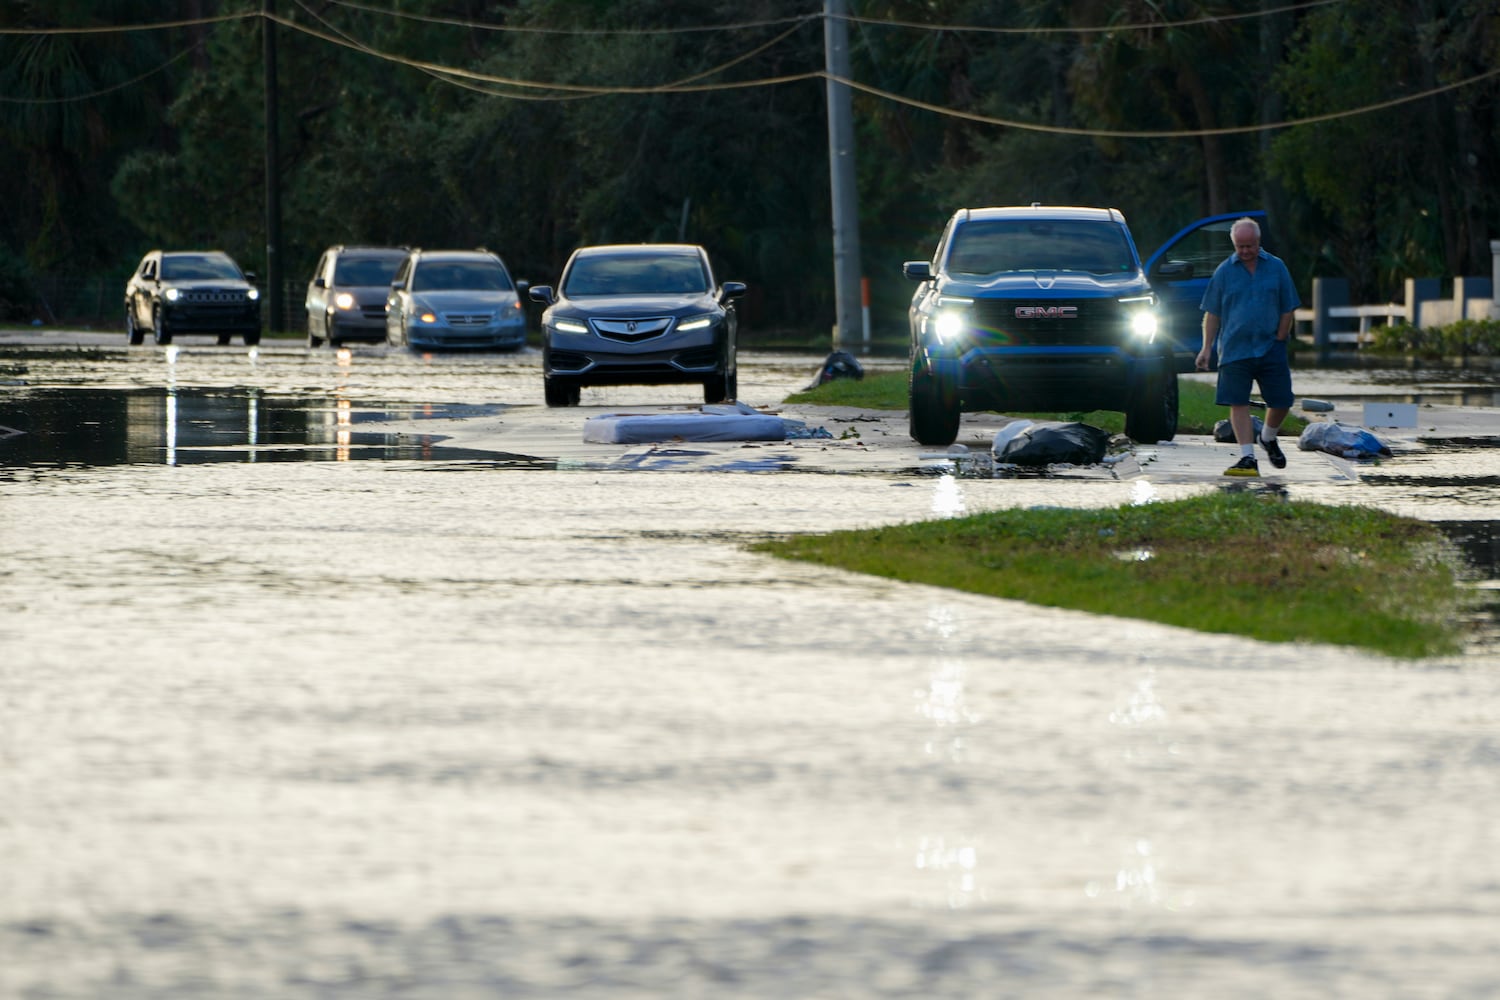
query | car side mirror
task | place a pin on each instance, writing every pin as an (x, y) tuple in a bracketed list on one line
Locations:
[(731, 289), (250, 277), (521, 286), (542, 294), (1174, 269), (397, 285), (917, 270), (319, 283)]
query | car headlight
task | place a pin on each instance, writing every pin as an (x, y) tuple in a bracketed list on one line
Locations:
[(344, 300), (253, 294), (570, 326), (949, 323), (1143, 322), (172, 294), (1143, 325), (427, 316), (696, 323)]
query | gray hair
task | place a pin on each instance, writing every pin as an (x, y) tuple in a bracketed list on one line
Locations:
[(1245, 223)]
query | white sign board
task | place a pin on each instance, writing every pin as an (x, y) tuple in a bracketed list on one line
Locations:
[(1390, 414)]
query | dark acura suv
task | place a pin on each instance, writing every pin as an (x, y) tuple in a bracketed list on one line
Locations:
[(201, 291), (1042, 309), (639, 314)]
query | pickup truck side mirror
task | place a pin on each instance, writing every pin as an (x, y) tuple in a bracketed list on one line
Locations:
[(917, 270)]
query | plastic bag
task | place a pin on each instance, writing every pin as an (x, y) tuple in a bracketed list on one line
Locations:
[(1224, 432), (839, 364), (1050, 443), (1345, 442)]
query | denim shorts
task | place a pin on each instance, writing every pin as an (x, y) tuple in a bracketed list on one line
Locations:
[(1270, 371)]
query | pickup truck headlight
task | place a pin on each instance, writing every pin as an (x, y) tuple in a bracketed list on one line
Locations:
[(952, 317), (1143, 322), (172, 294), (949, 323)]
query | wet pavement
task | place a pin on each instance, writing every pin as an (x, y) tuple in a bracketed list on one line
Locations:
[(362, 675)]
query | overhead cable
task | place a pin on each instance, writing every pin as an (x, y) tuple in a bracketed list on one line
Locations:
[(70, 98)]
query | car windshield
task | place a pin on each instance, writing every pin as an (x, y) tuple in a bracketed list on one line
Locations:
[(992, 246), (459, 275), (636, 274), (198, 267), (365, 272)]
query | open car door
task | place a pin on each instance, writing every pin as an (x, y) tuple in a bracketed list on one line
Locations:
[(1179, 271)]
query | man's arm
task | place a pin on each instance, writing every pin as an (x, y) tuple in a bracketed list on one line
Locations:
[(1284, 328), (1210, 334)]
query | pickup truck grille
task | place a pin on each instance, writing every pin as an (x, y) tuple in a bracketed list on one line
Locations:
[(1052, 322)]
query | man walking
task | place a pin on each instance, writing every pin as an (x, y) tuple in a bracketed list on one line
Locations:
[(1249, 307)]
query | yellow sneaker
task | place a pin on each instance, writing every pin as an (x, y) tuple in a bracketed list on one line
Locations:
[(1246, 466)]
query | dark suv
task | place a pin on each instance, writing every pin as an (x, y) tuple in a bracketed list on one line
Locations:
[(1037, 308), (347, 293), (200, 291)]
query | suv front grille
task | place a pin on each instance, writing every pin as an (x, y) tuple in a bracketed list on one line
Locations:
[(214, 296), (631, 331), (1095, 322), (468, 319)]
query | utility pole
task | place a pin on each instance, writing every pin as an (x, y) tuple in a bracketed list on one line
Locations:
[(273, 174), (846, 267)]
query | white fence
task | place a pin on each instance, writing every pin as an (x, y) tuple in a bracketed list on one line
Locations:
[(1333, 321)]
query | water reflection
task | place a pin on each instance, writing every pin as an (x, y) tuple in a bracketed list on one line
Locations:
[(182, 425)]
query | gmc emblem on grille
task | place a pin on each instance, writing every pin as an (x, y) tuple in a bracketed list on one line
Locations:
[(1046, 312)]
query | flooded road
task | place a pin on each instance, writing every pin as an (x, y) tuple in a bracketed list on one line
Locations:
[(300, 700)]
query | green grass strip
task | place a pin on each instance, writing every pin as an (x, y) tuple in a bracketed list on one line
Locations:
[(1236, 562), (887, 391)]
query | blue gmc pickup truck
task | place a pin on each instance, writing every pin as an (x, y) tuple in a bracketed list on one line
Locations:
[(1044, 308)]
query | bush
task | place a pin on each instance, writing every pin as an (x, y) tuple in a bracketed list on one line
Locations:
[(1467, 337)]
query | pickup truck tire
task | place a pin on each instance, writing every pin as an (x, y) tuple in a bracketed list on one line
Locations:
[(935, 411), (1151, 415)]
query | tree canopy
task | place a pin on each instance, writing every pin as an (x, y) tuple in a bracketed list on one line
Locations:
[(1369, 130)]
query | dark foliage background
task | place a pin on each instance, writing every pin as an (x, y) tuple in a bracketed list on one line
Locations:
[(449, 122)]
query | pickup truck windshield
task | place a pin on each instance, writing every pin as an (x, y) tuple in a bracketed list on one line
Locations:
[(993, 246)]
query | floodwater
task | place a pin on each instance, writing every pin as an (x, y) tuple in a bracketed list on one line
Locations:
[(296, 706)]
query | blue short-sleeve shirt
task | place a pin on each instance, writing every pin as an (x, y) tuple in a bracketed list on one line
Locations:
[(1249, 306)]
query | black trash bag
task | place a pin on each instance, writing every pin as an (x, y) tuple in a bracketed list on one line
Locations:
[(1224, 433), (839, 364), (1053, 443)]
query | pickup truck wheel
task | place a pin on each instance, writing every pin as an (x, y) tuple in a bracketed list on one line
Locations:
[(935, 411), (1152, 412)]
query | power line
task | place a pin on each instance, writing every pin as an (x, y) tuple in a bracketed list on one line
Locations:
[(521, 89), (677, 87), (455, 77), (120, 29), (96, 93), (1168, 133), (1101, 29), (543, 30)]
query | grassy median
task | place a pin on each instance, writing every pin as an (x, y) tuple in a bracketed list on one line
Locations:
[(887, 391), (1239, 561), (1242, 562)]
